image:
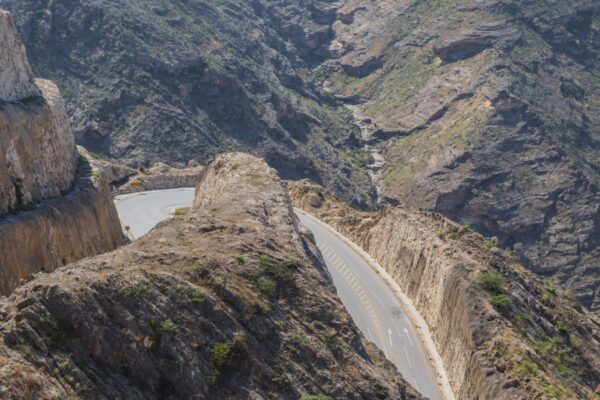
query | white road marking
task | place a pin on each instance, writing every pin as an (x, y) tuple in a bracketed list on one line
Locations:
[(378, 299), (390, 335), (408, 336), (407, 357)]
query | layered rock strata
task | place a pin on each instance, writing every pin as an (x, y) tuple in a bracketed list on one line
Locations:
[(54, 206)]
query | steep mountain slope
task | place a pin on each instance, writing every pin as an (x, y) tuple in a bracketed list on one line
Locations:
[(502, 332), (228, 302), (486, 111), (150, 81)]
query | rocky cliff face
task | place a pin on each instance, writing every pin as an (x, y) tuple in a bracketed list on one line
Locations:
[(502, 332), (486, 111), (38, 158), (149, 81), (60, 207), (16, 78), (229, 301), (58, 231)]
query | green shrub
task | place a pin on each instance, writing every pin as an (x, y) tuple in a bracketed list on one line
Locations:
[(315, 397), (491, 281), (562, 328), (240, 260), (500, 302), (454, 235), (265, 261), (266, 286), (137, 290), (223, 353), (168, 327), (197, 297), (276, 278)]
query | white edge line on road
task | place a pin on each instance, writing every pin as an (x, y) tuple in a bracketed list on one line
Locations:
[(411, 311)]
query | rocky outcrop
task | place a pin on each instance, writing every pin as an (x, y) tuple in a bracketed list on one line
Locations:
[(54, 207), (160, 176), (61, 230), (489, 111), (38, 158), (227, 302), (502, 332), (16, 78)]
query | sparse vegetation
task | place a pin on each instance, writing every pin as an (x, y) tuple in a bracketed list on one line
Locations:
[(197, 297), (240, 260), (137, 290), (500, 302), (491, 281), (181, 211), (224, 353), (266, 286), (315, 397), (168, 327), (275, 277)]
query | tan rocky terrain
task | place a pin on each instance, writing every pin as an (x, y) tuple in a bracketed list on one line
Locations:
[(230, 301), (502, 332), (486, 111), (55, 204)]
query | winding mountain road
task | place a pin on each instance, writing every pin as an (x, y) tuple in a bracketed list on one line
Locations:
[(371, 302)]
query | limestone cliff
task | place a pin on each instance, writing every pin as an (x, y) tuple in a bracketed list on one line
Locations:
[(58, 231), (227, 302), (54, 207), (502, 332), (38, 158), (16, 79)]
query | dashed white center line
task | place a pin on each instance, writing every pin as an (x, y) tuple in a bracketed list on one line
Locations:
[(408, 336), (407, 357)]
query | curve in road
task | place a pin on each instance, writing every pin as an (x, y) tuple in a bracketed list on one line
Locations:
[(367, 297), (142, 211)]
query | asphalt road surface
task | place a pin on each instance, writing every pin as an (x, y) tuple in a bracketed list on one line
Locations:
[(374, 308), (142, 211), (367, 297)]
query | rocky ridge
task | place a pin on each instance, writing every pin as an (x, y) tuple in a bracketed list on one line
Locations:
[(485, 111), (229, 301), (37, 150), (502, 332)]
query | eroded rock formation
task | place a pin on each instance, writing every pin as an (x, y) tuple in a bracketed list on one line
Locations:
[(54, 207), (502, 332), (227, 302), (16, 79)]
